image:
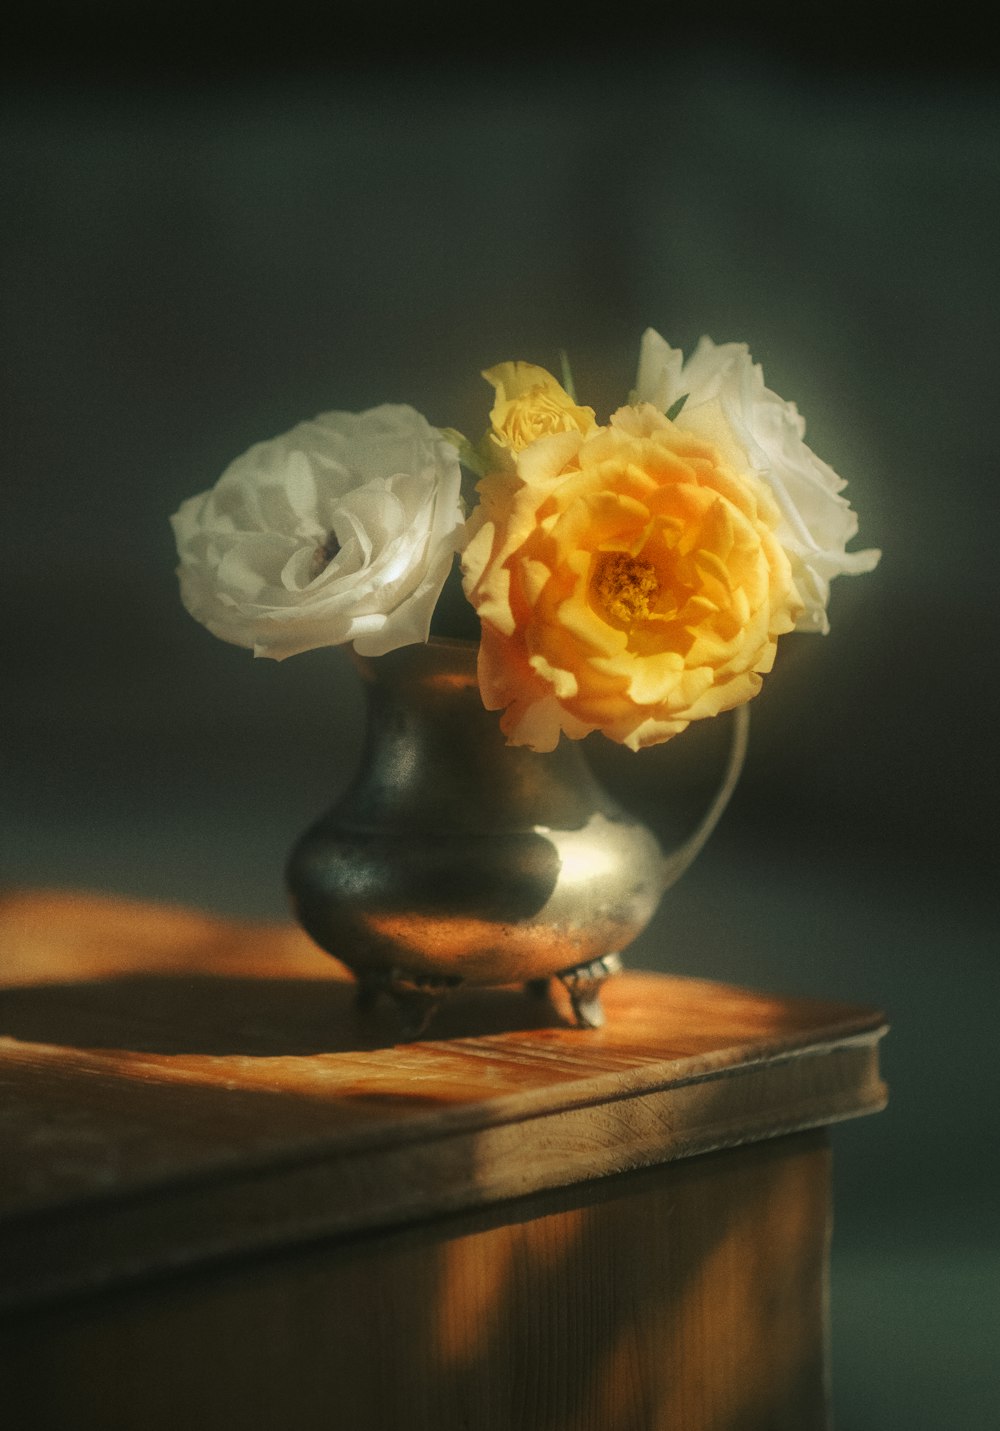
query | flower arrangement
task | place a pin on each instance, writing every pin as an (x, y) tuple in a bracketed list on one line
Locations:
[(629, 577)]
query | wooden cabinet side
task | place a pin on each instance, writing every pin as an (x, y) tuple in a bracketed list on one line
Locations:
[(686, 1297)]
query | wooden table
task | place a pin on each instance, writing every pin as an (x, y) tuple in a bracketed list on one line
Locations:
[(228, 1199)]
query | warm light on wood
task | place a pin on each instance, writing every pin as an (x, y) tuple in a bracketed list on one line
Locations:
[(217, 1175)]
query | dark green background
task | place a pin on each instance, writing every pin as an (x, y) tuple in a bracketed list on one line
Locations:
[(207, 238)]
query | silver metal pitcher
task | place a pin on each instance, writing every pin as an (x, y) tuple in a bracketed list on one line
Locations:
[(455, 858)]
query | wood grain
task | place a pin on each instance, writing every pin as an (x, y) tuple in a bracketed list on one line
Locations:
[(176, 1089), (689, 1297)]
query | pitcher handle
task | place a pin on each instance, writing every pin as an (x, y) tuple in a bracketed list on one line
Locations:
[(678, 861)]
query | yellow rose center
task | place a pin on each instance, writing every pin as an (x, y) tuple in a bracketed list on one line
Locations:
[(625, 586), (536, 413)]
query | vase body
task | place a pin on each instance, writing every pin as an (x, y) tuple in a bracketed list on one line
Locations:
[(454, 857)]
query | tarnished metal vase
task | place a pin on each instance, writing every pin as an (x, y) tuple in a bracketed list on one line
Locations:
[(455, 858)]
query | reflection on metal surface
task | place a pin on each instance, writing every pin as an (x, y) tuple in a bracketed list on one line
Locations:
[(583, 984), (454, 857)]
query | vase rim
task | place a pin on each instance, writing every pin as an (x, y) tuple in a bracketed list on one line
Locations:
[(460, 643), (423, 660)]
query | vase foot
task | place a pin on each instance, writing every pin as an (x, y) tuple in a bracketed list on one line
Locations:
[(583, 984), (417, 996)]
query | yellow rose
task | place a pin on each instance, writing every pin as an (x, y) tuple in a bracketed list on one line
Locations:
[(627, 581), (529, 404)]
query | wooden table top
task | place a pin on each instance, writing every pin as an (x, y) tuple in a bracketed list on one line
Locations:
[(176, 1087)]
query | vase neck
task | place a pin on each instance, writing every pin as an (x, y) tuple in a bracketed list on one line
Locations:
[(432, 749)]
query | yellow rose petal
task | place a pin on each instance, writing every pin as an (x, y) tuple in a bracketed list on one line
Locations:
[(531, 404), (634, 582)]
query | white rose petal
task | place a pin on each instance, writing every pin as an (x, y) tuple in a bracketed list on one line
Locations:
[(343, 529), (727, 403)]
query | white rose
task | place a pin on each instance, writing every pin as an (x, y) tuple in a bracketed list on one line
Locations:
[(727, 403), (343, 529)]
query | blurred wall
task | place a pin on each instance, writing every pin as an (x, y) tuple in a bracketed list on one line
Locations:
[(201, 246)]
